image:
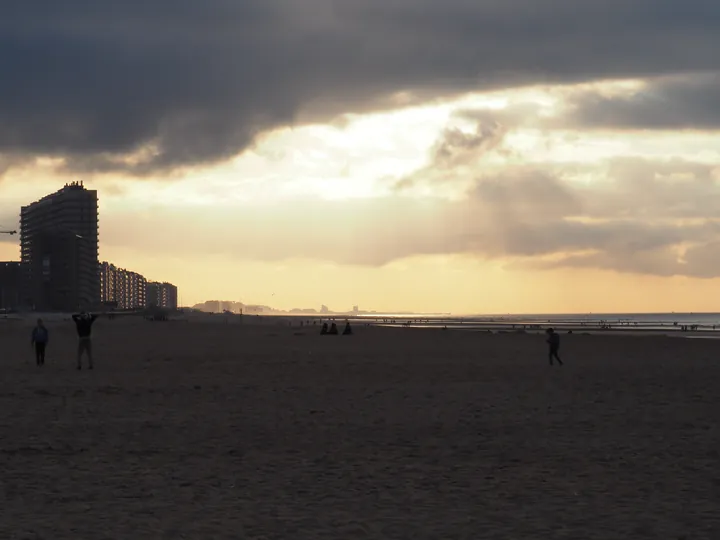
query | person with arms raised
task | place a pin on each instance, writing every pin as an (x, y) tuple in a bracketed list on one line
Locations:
[(83, 323)]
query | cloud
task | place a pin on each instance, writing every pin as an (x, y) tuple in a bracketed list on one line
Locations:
[(527, 217), (691, 102), (671, 189), (148, 86), (456, 152), (457, 147), (9, 217), (640, 216), (12, 161), (635, 215)]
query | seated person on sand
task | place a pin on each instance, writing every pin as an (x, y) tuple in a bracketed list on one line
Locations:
[(324, 329), (348, 330), (333, 329)]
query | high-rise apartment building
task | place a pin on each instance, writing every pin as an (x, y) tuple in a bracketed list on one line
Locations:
[(162, 295), (59, 250)]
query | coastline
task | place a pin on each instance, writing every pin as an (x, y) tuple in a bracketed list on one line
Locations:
[(510, 324)]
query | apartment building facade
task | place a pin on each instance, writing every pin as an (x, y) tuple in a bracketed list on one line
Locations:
[(162, 295), (122, 288)]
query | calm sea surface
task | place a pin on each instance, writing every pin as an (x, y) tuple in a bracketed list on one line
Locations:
[(640, 321)]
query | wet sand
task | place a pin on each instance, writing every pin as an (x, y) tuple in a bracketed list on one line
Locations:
[(205, 430)]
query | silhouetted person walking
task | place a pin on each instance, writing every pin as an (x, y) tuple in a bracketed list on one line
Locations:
[(553, 341), (333, 330), (40, 339), (348, 329), (83, 323)]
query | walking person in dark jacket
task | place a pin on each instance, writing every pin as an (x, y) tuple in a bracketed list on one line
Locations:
[(83, 323), (40, 339), (553, 341)]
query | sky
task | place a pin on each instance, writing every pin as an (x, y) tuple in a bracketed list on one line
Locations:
[(400, 155)]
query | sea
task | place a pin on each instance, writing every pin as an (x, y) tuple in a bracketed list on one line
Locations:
[(567, 321)]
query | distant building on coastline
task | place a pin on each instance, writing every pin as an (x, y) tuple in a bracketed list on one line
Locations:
[(59, 250), (220, 306), (210, 306), (256, 310)]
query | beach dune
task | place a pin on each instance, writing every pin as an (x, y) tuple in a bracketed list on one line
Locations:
[(203, 430)]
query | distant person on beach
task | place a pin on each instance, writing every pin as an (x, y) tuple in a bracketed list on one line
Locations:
[(348, 329), (40, 338), (324, 329), (333, 329), (83, 323), (553, 341)]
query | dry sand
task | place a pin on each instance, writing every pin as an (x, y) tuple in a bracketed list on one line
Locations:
[(204, 430)]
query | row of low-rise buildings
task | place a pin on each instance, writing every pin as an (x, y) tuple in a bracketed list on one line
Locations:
[(59, 268)]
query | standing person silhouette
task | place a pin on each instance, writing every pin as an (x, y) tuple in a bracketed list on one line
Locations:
[(40, 339), (553, 341), (83, 323)]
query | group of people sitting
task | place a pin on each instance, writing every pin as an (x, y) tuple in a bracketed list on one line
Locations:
[(333, 330)]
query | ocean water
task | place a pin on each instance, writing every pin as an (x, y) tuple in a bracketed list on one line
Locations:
[(619, 321)]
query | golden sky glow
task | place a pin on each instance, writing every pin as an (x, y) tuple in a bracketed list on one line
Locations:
[(315, 214)]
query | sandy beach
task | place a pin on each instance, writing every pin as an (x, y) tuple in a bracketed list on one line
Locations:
[(205, 430)]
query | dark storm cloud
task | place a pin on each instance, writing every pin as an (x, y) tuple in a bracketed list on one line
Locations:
[(196, 81), (689, 102)]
